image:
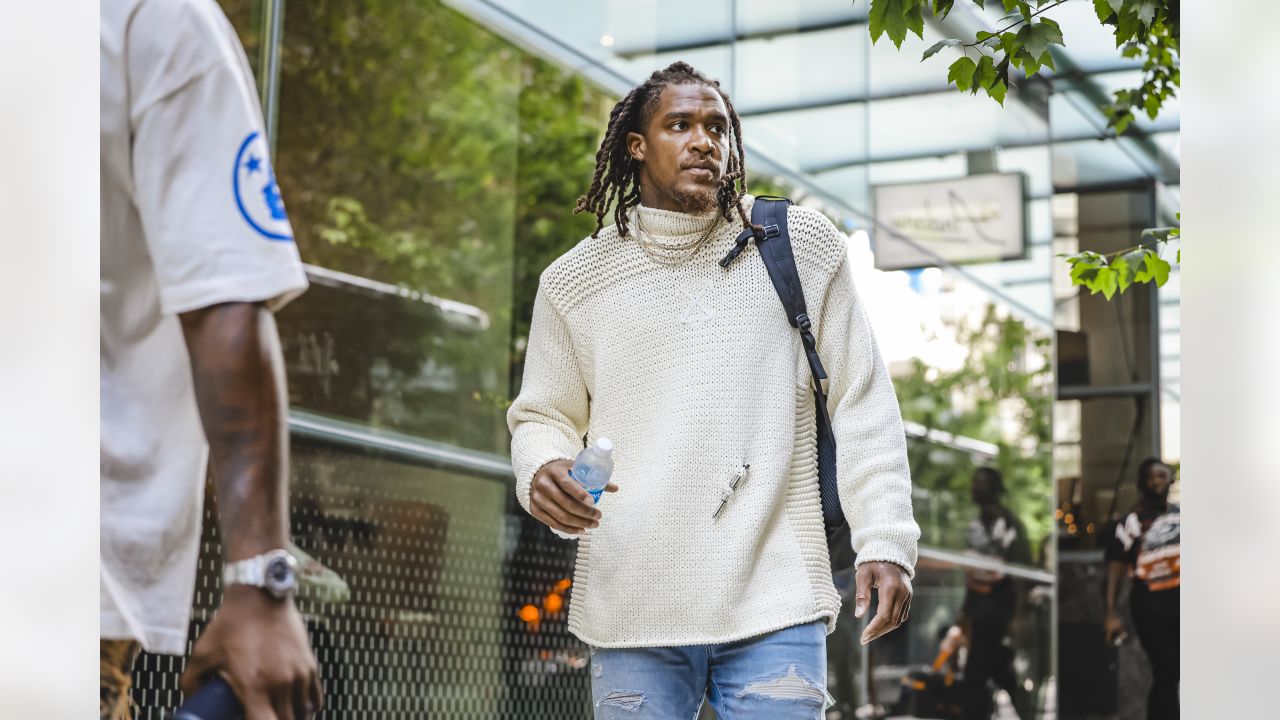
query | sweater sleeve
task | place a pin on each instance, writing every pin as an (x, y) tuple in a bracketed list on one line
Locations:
[(549, 417), (871, 449)]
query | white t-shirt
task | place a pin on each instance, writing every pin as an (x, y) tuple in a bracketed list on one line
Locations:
[(191, 217)]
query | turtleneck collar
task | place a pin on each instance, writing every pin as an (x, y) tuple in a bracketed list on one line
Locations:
[(676, 226)]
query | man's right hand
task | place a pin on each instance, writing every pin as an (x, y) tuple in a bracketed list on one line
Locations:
[(561, 502), (1115, 629), (259, 644)]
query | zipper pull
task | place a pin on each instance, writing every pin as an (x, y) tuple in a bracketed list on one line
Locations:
[(733, 486)]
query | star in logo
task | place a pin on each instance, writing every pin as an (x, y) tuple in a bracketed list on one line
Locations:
[(253, 164), (697, 310)]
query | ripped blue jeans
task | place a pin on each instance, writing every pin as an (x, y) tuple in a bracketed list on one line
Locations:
[(778, 676)]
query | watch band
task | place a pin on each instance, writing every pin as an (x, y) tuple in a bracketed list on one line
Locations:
[(253, 571)]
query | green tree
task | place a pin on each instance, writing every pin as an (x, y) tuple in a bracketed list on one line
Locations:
[(1002, 394), (1022, 41)]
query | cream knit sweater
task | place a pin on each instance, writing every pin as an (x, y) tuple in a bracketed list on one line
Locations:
[(694, 372)]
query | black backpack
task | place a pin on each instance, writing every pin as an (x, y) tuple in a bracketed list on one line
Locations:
[(775, 250)]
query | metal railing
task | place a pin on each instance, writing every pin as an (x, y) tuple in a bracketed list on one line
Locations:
[(363, 439)]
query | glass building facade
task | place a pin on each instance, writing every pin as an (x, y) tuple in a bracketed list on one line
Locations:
[(430, 154)]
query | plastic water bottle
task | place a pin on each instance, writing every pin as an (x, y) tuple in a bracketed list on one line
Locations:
[(213, 701), (593, 467)]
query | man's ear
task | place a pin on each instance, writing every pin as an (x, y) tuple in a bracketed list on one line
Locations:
[(635, 145)]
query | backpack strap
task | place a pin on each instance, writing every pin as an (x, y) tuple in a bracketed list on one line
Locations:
[(774, 245), (775, 250)]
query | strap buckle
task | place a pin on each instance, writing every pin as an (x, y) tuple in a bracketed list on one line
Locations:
[(823, 386)]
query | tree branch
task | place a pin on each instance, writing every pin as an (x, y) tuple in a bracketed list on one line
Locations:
[(1016, 24)]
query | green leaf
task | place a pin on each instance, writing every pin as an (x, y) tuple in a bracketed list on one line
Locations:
[(933, 49), (1105, 282), (1029, 64), (1122, 122), (1034, 40), (1025, 8), (1179, 256), (1159, 268), (1084, 266), (1124, 275), (1083, 275), (1116, 5), (985, 75), (980, 3), (1103, 10), (997, 91), (915, 18), (941, 8), (1154, 269), (1009, 5), (891, 17), (1051, 30), (1147, 12), (1153, 105), (1127, 27), (1002, 74), (961, 73), (1010, 42)]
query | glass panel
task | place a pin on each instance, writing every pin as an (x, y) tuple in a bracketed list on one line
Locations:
[(812, 138), (773, 72), (983, 377), (1021, 671), (430, 169), (423, 596), (908, 126), (758, 16), (408, 178)]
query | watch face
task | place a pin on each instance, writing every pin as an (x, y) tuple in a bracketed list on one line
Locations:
[(280, 577)]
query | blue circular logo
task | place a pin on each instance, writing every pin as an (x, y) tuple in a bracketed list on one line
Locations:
[(256, 191)]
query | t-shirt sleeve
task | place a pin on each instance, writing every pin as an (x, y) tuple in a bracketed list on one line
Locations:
[(1121, 542), (211, 210)]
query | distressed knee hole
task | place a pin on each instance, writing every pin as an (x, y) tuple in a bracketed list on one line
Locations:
[(629, 700), (790, 686)]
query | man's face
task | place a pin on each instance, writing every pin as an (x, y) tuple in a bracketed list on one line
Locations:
[(1159, 478), (984, 491), (683, 149)]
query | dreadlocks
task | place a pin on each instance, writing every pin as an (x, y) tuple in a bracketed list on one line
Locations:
[(617, 175)]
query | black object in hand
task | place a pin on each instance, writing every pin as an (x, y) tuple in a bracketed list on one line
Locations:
[(213, 701)]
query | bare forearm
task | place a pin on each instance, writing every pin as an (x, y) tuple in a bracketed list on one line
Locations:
[(238, 371), (1115, 571)]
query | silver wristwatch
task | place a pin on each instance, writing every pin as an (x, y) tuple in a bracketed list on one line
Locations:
[(274, 571)]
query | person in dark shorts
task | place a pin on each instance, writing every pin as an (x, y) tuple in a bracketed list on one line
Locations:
[(990, 599)]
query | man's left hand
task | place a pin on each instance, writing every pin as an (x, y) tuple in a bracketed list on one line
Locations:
[(893, 586)]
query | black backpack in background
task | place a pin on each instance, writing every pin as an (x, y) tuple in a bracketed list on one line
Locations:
[(775, 250)]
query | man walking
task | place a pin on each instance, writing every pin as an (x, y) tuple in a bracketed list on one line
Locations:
[(196, 255), (1145, 545), (990, 598), (707, 573)]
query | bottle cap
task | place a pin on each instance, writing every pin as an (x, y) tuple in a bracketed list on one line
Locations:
[(604, 446)]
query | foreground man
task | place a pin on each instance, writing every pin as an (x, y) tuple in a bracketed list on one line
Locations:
[(707, 573)]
